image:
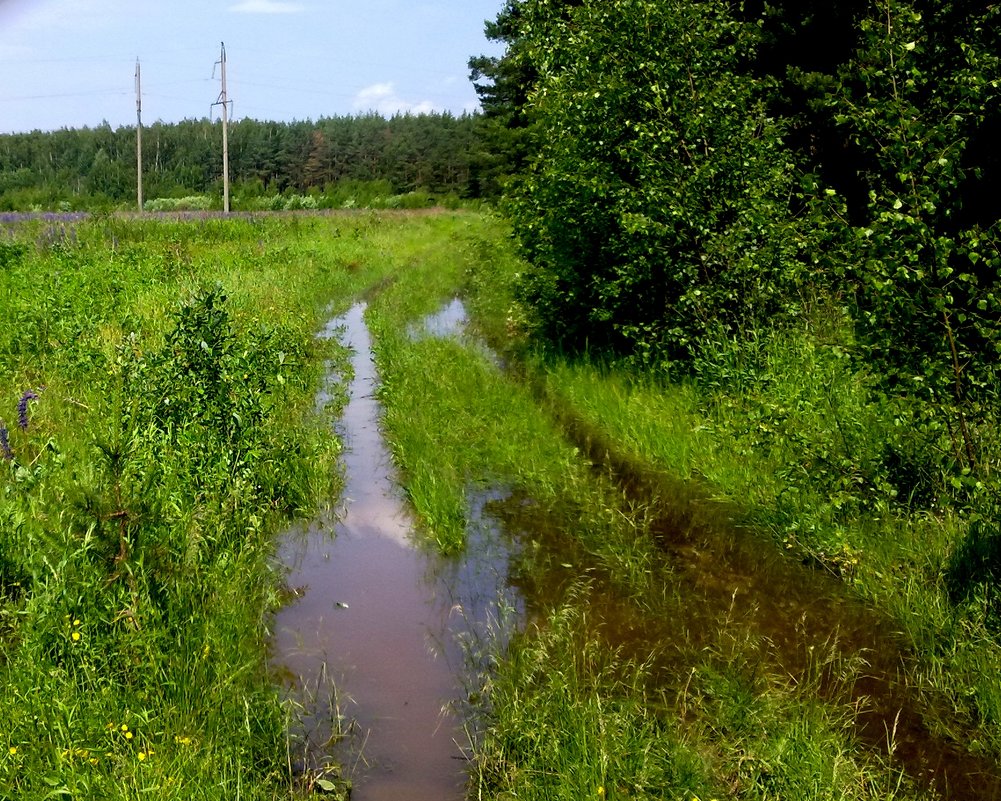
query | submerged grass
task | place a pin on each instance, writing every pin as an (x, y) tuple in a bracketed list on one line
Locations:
[(747, 451), (619, 687)]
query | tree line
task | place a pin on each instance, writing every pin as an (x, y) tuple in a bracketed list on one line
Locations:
[(93, 167)]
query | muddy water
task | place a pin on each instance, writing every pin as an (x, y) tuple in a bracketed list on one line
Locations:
[(370, 644), (732, 582)]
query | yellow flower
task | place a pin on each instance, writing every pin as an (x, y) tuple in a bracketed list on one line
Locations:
[(12, 750), (124, 727), (128, 735), (76, 622), (141, 755), (76, 636)]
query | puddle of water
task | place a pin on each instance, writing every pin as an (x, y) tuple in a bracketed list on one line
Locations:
[(370, 644), (450, 320)]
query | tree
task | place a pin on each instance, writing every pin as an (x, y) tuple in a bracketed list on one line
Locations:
[(927, 271), (656, 206)]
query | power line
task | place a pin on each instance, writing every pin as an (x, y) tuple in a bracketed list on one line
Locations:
[(96, 93)]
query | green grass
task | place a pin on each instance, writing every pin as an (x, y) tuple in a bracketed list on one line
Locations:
[(175, 437)]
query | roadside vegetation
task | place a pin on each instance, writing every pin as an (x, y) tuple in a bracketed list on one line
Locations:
[(731, 379), (158, 431)]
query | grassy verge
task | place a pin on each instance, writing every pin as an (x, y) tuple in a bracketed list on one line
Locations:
[(798, 451)]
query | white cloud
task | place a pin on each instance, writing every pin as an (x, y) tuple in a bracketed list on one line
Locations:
[(382, 98), (266, 7)]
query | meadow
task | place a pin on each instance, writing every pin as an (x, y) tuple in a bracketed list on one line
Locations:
[(160, 432)]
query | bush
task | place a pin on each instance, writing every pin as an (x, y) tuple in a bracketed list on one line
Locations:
[(190, 203), (657, 204)]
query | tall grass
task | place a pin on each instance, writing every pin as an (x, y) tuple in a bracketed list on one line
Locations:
[(170, 434), (565, 703)]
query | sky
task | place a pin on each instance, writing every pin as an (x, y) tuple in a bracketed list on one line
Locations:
[(72, 63)]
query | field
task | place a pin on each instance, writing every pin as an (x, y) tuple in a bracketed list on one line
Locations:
[(158, 431), (700, 624)]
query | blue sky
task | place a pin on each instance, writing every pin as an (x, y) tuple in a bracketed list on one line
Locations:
[(71, 63)]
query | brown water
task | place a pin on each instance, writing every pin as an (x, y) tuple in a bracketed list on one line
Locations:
[(370, 644), (735, 582)]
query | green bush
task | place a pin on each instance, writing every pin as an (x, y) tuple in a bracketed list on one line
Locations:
[(656, 206), (189, 203)]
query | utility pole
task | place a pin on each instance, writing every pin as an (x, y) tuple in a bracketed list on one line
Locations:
[(224, 102), (139, 139)]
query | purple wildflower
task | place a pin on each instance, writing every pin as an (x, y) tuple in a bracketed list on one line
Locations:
[(8, 454), (22, 408)]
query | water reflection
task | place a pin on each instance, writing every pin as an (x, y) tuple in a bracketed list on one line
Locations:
[(373, 638)]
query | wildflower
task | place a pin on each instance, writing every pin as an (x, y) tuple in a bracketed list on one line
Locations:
[(12, 750), (8, 454), (128, 735), (22, 408), (76, 636), (141, 756)]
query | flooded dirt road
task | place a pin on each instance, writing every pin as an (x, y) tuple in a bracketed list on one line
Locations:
[(370, 642), (731, 580)]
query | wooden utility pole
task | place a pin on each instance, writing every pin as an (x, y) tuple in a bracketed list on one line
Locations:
[(224, 102), (139, 139)]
